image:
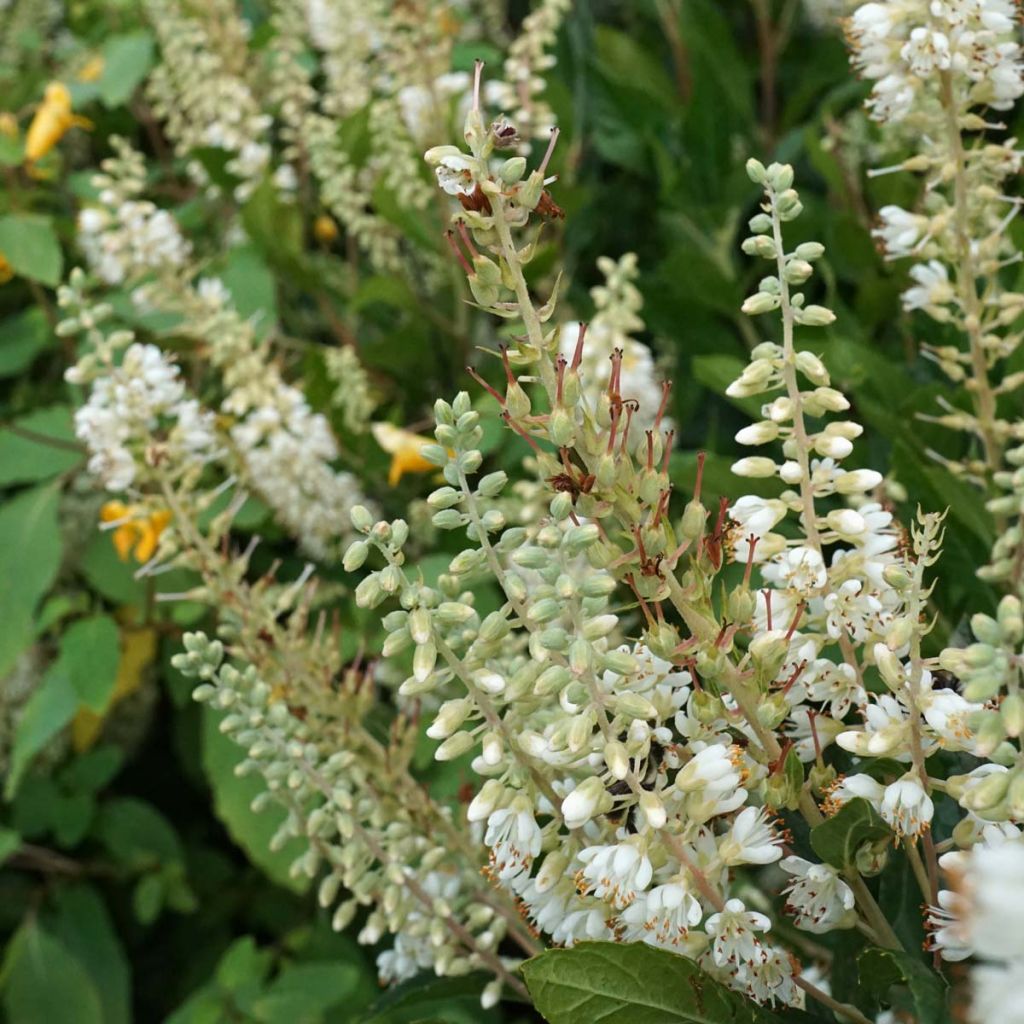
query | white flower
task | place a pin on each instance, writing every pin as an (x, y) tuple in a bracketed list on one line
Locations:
[(906, 806), (616, 873), (734, 932), (900, 231), (819, 900), (663, 916), (514, 839), (933, 288), (998, 994), (751, 840)]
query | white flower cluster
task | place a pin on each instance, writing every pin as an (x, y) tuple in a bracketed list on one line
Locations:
[(821, 624), (521, 93), (200, 91), (617, 317), (615, 803), (138, 412), (124, 236), (913, 49), (937, 67), (980, 917), (286, 449)]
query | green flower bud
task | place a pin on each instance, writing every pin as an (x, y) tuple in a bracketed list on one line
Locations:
[(755, 171), (512, 170), (562, 427), (355, 556), (492, 485), (361, 518)]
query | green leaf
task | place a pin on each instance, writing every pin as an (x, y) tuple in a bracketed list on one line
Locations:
[(107, 574), (618, 983), (90, 653), (46, 712), (232, 796), (305, 991), (837, 840), (27, 454), (22, 338), (42, 981), (10, 840), (148, 898), (251, 284), (30, 245), (81, 922), (925, 995), (29, 558), (126, 61), (427, 995), (137, 834)]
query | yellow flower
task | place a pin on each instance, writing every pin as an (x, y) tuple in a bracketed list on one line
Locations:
[(405, 449), (325, 229), (91, 69), (138, 649), (136, 533), (52, 120)]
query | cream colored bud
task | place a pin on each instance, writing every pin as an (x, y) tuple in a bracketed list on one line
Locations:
[(616, 759), (754, 466), (758, 433)]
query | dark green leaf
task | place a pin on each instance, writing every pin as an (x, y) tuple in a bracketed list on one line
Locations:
[(90, 653), (837, 840), (232, 796), (29, 558), (42, 981), (82, 924), (30, 245), (618, 983), (47, 711), (33, 450), (126, 61), (22, 338), (881, 969)]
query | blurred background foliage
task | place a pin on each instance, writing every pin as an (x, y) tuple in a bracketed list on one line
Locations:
[(136, 884)]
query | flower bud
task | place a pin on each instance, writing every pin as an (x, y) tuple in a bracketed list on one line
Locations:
[(755, 170), (512, 170), (616, 759), (755, 466), (455, 746), (584, 802), (355, 556)]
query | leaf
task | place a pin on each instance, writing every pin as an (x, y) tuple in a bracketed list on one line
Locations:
[(108, 575), (25, 454), (30, 245), (618, 983), (22, 338), (46, 712), (837, 840), (305, 991), (881, 969), (90, 654), (29, 558), (625, 62), (81, 922), (42, 981), (126, 61), (427, 994), (232, 796), (10, 840), (137, 834), (251, 284)]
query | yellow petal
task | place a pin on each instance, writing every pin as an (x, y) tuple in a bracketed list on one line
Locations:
[(92, 69), (125, 538)]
